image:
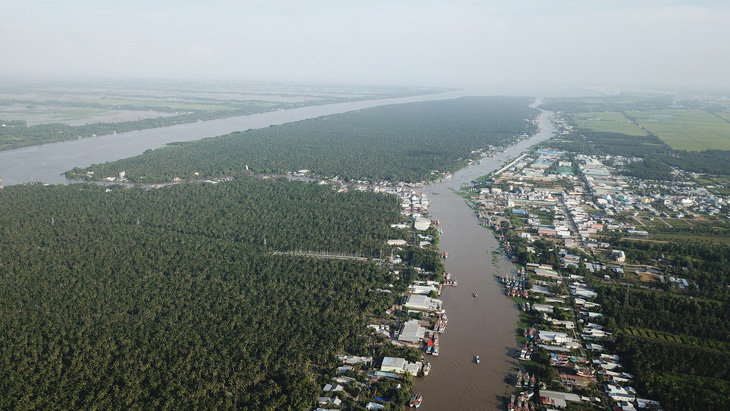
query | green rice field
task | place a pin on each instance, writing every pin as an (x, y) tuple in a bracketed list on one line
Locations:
[(608, 121), (686, 129), (74, 116)]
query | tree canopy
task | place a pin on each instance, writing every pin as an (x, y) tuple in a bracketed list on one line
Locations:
[(171, 298), (406, 142)]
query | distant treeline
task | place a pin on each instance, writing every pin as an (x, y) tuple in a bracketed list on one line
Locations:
[(607, 103), (409, 142), (17, 133)]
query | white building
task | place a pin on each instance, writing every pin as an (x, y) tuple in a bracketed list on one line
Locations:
[(421, 224), (620, 393), (555, 337), (412, 332), (393, 364), (399, 366), (557, 399), (422, 303)]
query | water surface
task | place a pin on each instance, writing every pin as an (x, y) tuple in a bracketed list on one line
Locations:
[(483, 326)]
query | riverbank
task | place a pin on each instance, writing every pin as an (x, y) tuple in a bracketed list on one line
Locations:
[(484, 325)]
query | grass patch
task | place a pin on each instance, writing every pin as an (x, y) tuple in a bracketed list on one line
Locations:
[(526, 319), (545, 217), (495, 258), (517, 220)]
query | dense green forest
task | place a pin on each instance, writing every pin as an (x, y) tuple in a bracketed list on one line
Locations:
[(666, 312), (676, 347), (683, 377), (675, 342), (395, 143), (119, 298), (649, 170)]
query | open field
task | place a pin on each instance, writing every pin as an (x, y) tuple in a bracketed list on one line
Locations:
[(38, 112), (78, 103), (647, 277), (713, 229), (608, 121), (73, 116), (724, 115), (686, 129)]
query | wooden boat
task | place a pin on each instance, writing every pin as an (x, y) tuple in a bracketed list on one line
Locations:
[(416, 400)]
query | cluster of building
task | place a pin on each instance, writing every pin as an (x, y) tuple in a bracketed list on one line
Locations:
[(556, 200), (421, 316), (574, 344), (573, 190), (572, 210), (414, 207), (390, 367)]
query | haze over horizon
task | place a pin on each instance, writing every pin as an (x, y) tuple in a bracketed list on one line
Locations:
[(520, 44)]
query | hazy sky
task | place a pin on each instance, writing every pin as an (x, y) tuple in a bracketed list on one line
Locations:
[(407, 42)]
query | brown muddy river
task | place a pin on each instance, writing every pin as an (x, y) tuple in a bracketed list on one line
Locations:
[(483, 326)]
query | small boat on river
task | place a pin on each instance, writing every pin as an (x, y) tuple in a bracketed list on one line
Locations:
[(426, 368), (416, 400), (476, 359)]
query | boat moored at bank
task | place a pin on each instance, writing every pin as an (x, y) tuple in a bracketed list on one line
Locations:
[(416, 400)]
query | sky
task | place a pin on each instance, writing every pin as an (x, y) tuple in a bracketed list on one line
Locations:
[(453, 43)]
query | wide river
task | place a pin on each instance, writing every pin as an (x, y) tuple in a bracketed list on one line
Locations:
[(483, 326), (45, 163)]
